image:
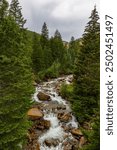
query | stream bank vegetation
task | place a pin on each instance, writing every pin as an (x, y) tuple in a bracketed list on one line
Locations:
[(84, 93), (26, 56)]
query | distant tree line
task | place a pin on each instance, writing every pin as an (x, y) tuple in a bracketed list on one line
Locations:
[(51, 57), (26, 56)]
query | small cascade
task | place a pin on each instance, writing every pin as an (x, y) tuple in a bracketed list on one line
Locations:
[(57, 134)]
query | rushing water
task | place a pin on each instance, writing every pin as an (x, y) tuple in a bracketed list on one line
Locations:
[(56, 132)]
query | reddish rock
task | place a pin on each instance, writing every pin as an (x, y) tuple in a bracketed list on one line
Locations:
[(43, 97), (65, 117), (76, 132), (38, 146), (35, 113)]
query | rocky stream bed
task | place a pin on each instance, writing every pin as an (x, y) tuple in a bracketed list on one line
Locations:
[(54, 126)]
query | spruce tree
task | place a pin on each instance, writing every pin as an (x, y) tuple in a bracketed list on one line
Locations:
[(15, 12), (44, 36), (57, 47), (3, 9), (87, 82), (45, 44), (15, 85), (44, 31), (57, 35), (87, 73), (37, 55)]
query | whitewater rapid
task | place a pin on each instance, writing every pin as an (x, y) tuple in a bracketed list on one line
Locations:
[(55, 132)]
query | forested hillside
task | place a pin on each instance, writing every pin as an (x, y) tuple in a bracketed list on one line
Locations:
[(28, 57)]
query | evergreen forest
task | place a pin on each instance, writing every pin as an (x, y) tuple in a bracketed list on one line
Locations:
[(27, 57)]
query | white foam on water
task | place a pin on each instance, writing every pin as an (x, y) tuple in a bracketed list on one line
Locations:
[(59, 147), (73, 122), (35, 98), (56, 131)]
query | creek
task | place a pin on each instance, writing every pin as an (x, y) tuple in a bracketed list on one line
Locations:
[(59, 134)]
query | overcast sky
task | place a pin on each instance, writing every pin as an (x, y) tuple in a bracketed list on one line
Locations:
[(68, 16)]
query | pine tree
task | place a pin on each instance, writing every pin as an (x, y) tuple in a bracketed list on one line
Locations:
[(3, 9), (15, 12), (57, 47), (15, 85), (57, 35), (45, 44), (44, 31), (86, 100), (37, 55), (44, 39), (87, 81)]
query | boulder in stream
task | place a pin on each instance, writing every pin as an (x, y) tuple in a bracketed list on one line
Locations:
[(42, 124), (35, 113), (76, 132), (51, 142), (64, 117), (43, 97)]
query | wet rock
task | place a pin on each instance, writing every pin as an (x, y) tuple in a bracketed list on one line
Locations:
[(42, 124), (67, 146), (48, 143), (38, 146), (66, 128), (61, 106), (32, 141), (51, 142), (76, 132), (58, 87), (65, 117), (35, 113), (71, 144), (43, 97)]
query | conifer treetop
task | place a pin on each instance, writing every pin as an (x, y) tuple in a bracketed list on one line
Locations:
[(44, 31), (16, 14)]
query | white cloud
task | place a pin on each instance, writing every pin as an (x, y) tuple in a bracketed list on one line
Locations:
[(69, 16)]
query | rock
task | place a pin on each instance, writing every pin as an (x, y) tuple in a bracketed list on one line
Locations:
[(51, 142), (38, 146), (66, 136), (34, 83), (87, 126), (67, 146), (82, 142), (61, 106), (76, 132), (71, 144), (64, 117), (43, 97), (35, 113), (66, 128), (48, 143), (43, 124)]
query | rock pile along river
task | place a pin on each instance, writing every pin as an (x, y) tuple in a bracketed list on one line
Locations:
[(63, 133)]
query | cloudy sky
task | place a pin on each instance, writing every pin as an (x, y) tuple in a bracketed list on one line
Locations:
[(68, 16)]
